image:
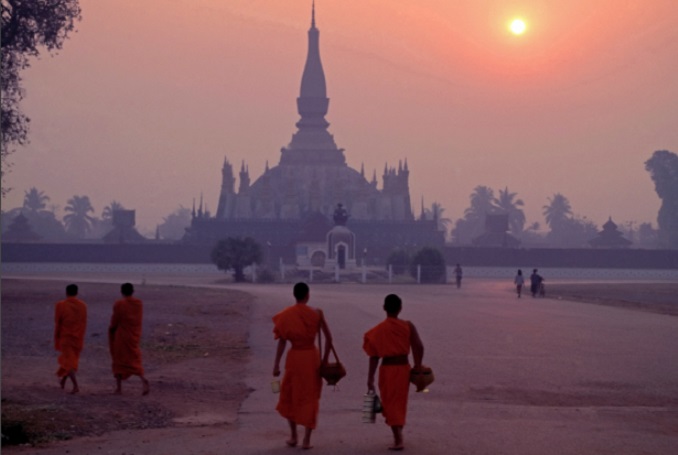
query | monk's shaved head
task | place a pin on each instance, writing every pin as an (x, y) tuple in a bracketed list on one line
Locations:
[(127, 289), (392, 304), (72, 290), (300, 291)]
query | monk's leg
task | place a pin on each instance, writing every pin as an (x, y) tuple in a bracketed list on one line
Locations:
[(307, 438), (118, 384), (292, 441), (62, 381), (74, 380), (397, 438), (145, 387)]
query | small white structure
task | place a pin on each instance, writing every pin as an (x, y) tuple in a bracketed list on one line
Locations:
[(337, 251), (340, 248)]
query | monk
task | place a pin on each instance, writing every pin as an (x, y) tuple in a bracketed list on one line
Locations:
[(391, 341), (70, 323), (124, 335), (301, 384)]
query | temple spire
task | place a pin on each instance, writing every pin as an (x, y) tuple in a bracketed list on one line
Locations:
[(312, 143)]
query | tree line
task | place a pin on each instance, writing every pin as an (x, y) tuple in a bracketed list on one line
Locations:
[(80, 222), (565, 228)]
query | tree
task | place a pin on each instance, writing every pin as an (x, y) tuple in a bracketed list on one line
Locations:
[(473, 224), (174, 225), (663, 169), (432, 262), (557, 211), (107, 212), (505, 202), (78, 221), (236, 253), (35, 200), (399, 259), (436, 213), (27, 26)]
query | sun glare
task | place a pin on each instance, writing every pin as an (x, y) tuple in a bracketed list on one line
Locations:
[(517, 26)]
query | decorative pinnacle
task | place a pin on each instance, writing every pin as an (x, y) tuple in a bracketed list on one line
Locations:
[(313, 15)]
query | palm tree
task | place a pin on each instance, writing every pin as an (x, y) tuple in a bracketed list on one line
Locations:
[(436, 213), (482, 203), (516, 215), (35, 200), (107, 212), (78, 222), (557, 211)]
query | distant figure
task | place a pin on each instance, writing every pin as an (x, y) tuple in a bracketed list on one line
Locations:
[(391, 341), (458, 273), (519, 280), (124, 336), (70, 323), (301, 384), (536, 283)]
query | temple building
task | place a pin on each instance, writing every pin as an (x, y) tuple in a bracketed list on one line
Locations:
[(610, 237), (311, 178)]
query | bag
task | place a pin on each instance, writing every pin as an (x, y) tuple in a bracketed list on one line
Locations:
[(331, 372), (377, 408), (421, 377)]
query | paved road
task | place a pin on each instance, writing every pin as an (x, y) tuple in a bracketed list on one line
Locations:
[(513, 376)]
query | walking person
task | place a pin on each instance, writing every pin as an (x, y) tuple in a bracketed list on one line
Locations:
[(301, 385), (124, 337), (390, 341), (458, 273), (535, 283), (519, 280), (70, 323)]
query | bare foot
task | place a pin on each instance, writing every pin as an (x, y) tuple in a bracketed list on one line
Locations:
[(146, 388), (307, 446), (117, 392), (291, 442), (396, 447), (75, 390)]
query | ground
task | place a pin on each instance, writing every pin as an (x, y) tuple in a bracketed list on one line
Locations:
[(195, 352), (194, 347)]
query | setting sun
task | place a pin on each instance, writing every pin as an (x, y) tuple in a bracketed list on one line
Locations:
[(517, 26)]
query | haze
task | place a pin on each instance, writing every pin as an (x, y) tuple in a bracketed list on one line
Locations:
[(144, 102)]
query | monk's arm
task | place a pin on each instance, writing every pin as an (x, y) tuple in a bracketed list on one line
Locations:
[(417, 346), (372, 369), (57, 327), (328, 337), (278, 355)]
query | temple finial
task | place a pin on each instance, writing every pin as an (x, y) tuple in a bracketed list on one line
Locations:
[(313, 15)]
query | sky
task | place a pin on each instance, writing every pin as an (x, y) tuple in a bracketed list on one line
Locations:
[(143, 103)]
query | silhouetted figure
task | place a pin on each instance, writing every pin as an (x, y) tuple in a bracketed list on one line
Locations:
[(536, 285), (519, 280), (458, 273)]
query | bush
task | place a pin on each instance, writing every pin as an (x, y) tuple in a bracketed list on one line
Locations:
[(399, 260), (433, 267)]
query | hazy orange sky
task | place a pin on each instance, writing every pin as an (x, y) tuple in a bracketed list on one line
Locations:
[(147, 98)]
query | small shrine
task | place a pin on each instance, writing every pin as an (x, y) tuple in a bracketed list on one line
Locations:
[(326, 248), (610, 237), (123, 228)]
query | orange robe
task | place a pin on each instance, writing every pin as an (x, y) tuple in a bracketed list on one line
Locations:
[(124, 336), (301, 384), (70, 323), (391, 338)]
